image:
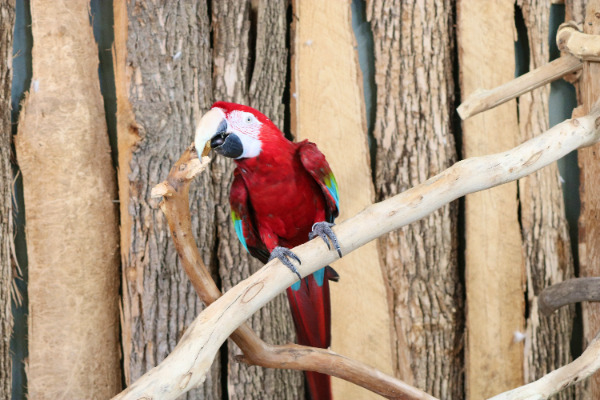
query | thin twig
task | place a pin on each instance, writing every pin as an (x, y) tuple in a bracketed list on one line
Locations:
[(570, 291), (175, 205), (189, 362)]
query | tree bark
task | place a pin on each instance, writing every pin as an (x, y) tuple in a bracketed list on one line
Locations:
[(544, 227), (163, 83), (494, 270), (72, 224), (169, 70), (413, 133), (7, 19), (250, 64)]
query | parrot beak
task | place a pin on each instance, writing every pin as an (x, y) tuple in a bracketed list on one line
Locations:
[(211, 133), (210, 123)]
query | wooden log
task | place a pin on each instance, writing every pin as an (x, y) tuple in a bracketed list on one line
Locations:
[(188, 364), (162, 78), (494, 264), (72, 224), (7, 19), (165, 66), (544, 228), (327, 108), (589, 190), (253, 73), (414, 140)]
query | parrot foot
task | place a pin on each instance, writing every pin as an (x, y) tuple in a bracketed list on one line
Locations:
[(284, 254), (324, 231)]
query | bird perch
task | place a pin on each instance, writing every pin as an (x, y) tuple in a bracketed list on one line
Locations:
[(187, 365), (175, 205)]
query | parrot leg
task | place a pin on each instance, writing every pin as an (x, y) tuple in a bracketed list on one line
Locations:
[(324, 231), (284, 254)]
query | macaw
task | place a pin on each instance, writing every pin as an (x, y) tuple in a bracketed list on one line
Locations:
[(283, 194)]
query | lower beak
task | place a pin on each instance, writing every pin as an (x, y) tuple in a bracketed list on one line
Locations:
[(227, 144)]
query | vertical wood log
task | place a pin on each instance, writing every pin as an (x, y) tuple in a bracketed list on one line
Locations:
[(72, 232), (544, 227), (165, 64), (250, 64), (589, 164), (163, 83), (415, 100), (327, 108), (7, 19), (494, 263)]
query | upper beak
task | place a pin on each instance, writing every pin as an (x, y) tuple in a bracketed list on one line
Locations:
[(211, 124)]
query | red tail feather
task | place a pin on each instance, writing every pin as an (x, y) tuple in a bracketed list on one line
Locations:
[(311, 310)]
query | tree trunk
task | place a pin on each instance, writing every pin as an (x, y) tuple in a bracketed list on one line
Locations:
[(250, 64), (168, 72), (72, 226), (544, 227), (163, 83), (413, 133), (7, 19), (494, 275)]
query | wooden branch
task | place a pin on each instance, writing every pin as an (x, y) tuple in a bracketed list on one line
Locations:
[(581, 45), (482, 100), (175, 205), (568, 292), (560, 379), (187, 365)]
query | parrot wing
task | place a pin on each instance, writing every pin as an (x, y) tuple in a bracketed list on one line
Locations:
[(316, 165), (241, 215)]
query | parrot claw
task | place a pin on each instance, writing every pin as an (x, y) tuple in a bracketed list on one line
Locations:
[(324, 231), (283, 254)]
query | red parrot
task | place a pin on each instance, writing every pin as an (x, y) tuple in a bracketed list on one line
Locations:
[(283, 194)]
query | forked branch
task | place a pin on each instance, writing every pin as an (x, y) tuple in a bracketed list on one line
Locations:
[(175, 205), (187, 365)]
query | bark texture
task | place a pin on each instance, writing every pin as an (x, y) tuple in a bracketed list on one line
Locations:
[(172, 61), (250, 64), (544, 227), (72, 224), (163, 81), (7, 19), (413, 64)]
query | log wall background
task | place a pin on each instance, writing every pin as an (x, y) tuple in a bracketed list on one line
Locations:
[(436, 293)]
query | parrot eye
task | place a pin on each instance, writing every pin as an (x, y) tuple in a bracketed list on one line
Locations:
[(249, 119)]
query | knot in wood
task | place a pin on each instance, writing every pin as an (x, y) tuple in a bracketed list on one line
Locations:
[(252, 291)]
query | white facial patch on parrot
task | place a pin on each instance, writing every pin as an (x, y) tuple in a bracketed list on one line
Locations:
[(247, 127)]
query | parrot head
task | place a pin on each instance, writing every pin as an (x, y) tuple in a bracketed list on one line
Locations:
[(234, 130)]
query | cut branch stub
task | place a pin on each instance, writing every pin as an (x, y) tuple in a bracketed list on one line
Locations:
[(569, 38), (569, 292)]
